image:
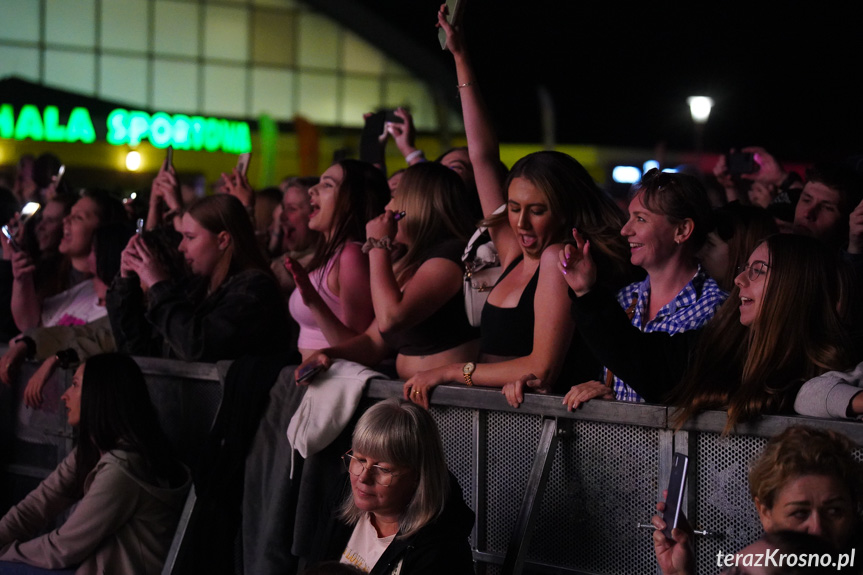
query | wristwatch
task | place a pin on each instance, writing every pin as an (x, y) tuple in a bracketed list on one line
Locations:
[(467, 371)]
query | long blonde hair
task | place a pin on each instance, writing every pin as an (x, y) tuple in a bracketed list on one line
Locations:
[(433, 199)]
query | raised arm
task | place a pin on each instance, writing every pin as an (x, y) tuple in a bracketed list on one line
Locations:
[(26, 307), (165, 188), (482, 144), (435, 282)]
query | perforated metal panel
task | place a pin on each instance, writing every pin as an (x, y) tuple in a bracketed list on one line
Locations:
[(456, 430), (601, 484), (512, 444), (723, 504)]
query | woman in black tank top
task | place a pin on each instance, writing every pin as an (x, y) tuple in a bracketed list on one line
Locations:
[(547, 194)]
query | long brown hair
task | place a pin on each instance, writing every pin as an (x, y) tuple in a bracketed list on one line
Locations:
[(578, 202), (225, 213), (362, 195), (433, 199), (796, 336), (742, 228)]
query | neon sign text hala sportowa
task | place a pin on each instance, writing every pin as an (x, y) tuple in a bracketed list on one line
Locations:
[(127, 127)]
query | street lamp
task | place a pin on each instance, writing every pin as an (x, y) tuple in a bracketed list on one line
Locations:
[(699, 107)]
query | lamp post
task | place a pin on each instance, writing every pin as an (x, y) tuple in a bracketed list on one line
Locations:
[(699, 108)]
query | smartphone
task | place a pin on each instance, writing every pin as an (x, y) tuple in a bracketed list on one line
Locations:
[(392, 118), (741, 163), (454, 12), (371, 149), (59, 177), (169, 157), (243, 163), (309, 372), (29, 209), (139, 227), (11, 237), (676, 483)]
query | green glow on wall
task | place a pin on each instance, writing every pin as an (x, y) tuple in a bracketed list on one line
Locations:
[(127, 127)]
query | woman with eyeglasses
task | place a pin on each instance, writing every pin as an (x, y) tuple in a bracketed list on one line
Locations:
[(669, 220), (779, 327), (399, 510)]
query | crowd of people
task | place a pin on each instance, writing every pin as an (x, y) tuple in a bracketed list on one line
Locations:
[(751, 306)]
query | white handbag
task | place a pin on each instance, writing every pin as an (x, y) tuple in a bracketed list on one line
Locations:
[(481, 271)]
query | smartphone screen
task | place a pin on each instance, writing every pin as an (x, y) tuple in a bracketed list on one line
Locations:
[(308, 373), (454, 10), (741, 163), (676, 483), (243, 163), (11, 238)]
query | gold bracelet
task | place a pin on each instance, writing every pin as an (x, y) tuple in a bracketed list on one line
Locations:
[(465, 85)]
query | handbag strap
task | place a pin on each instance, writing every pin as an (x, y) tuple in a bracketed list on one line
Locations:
[(480, 230)]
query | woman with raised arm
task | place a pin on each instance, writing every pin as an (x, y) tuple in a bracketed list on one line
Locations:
[(418, 302), (669, 220), (128, 487), (779, 327), (525, 327), (230, 308), (332, 302), (77, 304)]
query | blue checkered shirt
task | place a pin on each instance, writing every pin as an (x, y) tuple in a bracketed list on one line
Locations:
[(693, 307)]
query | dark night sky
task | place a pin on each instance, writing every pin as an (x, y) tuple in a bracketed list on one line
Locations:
[(619, 74)]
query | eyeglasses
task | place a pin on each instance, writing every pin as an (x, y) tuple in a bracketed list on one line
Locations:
[(381, 475), (756, 269)]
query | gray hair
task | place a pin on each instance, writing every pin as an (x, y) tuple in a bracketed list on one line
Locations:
[(404, 434)]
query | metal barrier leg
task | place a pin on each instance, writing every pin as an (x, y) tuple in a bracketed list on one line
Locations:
[(180, 533), (523, 531)]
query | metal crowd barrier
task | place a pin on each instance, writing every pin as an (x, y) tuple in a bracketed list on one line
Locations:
[(553, 491)]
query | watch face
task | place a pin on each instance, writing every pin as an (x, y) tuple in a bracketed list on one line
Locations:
[(468, 368)]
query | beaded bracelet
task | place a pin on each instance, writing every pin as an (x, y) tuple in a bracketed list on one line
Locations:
[(385, 243)]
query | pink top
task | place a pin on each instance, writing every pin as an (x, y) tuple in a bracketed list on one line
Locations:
[(311, 336)]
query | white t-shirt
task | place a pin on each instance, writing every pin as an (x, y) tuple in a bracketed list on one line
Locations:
[(365, 547), (77, 305)]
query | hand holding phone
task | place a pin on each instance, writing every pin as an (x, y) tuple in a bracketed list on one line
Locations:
[(243, 163), (10, 238), (308, 373), (454, 12), (676, 484)]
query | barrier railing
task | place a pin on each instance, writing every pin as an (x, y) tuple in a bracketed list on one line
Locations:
[(553, 491)]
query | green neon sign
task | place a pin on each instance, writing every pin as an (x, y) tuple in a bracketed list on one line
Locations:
[(127, 127), (46, 126), (180, 131)]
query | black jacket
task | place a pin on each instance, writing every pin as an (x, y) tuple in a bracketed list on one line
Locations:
[(245, 316), (650, 363), (440, 547)]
